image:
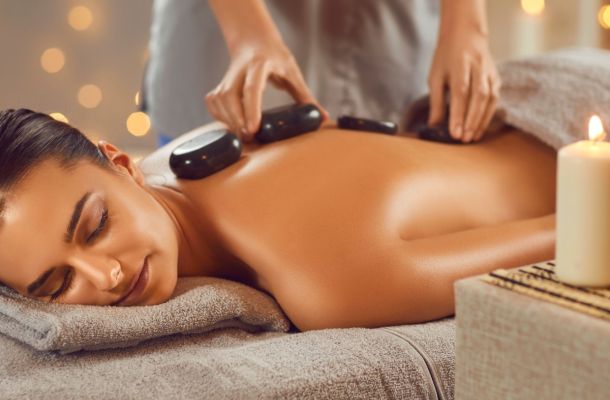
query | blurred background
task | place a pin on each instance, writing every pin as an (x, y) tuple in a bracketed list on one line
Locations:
[(83, 60)]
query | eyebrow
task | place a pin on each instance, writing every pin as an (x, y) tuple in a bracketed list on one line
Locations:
[(68, 237), (2, 209)]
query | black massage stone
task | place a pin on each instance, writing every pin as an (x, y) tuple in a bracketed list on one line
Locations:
[(205, 154), (287, 121), (417, 121), (369, 125)]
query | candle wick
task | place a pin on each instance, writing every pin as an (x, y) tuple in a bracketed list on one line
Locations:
[(599, 138)]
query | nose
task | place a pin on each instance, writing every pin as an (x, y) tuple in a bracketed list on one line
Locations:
[(104, 272)]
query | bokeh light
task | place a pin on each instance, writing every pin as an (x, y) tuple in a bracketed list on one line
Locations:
[(89, 96), (59, 117), (52, 60), (604, 16), (137, 98), (138, 123), (533, 7), (80, 18)]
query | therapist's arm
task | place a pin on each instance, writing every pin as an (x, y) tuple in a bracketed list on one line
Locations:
[(463, 64), (258, 53)]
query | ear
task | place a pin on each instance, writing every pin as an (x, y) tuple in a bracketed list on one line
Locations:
[(121, 161)]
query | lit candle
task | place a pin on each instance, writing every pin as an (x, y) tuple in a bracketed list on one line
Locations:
[(583, 210)]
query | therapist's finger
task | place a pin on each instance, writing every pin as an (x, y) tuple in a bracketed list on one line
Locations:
[(479, 99), (489, 112), (213, 107), (223, 115), (437, 100), (299, 91), (233, 108), (228, 99), (494, 83), (254, 85), (460, 87)]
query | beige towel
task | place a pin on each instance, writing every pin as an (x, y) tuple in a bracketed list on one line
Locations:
[(553, 95), (199, 304), (413, 362)]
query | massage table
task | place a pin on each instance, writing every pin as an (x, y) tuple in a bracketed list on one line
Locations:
[(401, 362)]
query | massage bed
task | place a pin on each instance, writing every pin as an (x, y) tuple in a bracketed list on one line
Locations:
[(221, 339), (405, 362), (240, 345)]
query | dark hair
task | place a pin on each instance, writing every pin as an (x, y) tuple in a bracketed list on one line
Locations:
[(28, 138)]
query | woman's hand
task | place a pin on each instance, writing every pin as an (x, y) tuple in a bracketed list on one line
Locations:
[(258, 54), (464, 65), (236, 101)]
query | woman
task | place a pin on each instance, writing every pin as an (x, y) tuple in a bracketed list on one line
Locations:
[(342, 228)]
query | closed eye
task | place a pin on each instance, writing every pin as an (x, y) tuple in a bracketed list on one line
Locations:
[(69, 277), (100, 227), (66, 285)]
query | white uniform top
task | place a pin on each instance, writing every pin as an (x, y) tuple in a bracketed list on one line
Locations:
[(367, 58)]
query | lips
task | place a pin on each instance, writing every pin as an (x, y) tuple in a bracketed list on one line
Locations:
[(137, 284)]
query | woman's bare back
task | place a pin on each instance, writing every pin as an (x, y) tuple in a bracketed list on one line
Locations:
[(326, 215)]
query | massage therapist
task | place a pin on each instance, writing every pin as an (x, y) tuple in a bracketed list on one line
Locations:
[(368, 58)]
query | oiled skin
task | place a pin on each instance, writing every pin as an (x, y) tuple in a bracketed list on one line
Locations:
[(349, 228)]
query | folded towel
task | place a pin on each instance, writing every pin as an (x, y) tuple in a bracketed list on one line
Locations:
[(552, 96), (199, 304)]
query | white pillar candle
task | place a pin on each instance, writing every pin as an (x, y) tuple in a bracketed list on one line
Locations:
[(528, 25), (582, 251)]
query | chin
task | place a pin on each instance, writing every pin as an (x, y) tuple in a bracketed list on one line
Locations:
[(164, 291)]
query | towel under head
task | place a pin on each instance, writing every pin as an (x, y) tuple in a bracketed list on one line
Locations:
[(198, 304)]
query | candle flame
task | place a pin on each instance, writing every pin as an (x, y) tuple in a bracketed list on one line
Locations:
[(596, 129)]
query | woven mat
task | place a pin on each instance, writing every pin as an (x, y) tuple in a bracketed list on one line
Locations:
[(539, 280)]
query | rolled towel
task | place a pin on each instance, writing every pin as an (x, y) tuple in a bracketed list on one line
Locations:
[(552, 96), (198, 304)]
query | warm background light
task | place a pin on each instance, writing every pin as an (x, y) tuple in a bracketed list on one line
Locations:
[(89, 96), (533, 7), (138, 123), (596, 129), (59, 117), (137, 98), (80, 18), (604, 16), (52, 60), (93, 136)]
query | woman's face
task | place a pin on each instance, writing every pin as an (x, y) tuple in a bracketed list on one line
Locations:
[(89, 232)]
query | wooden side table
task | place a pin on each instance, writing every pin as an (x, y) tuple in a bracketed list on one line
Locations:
[(513, 346)]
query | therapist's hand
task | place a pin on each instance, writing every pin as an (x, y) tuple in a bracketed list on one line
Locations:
[(236, 100), (463, 64)]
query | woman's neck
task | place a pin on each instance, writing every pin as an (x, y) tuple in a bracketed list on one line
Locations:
[(200, 252)]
